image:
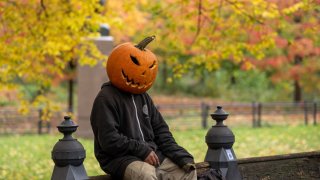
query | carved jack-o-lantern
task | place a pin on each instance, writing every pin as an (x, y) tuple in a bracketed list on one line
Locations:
[(132, 68)]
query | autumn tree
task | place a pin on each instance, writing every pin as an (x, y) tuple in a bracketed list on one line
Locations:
[(196, 36), (39, 39), (203, 33), (295, 57)]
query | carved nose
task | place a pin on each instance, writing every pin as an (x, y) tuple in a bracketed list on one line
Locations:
[(144, 72)]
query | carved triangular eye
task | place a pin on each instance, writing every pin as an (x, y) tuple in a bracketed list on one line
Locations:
[(135, 60), (152, 65)]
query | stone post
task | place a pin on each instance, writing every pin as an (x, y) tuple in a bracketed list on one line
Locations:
[(68, 154), (220, 154), (89, 81)]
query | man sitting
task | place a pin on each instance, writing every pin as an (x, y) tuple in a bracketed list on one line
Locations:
[(131, 139)]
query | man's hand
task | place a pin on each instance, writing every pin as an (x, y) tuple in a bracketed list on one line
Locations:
[(189, 167), (152, 159)]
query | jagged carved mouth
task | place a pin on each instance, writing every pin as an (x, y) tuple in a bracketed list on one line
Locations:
[(131, 83)]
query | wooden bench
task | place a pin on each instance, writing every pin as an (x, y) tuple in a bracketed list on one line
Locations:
[(285, 167)]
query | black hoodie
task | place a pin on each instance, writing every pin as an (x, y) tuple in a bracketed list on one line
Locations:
[(127, 127)]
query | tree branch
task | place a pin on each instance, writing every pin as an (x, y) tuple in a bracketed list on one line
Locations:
[(244, 13), (198, 21), (44, 8)]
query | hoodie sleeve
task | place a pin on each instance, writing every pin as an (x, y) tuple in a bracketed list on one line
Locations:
[(105, 123), (165, 140)]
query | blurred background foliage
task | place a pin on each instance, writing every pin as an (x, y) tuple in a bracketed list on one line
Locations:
[(236, 50)]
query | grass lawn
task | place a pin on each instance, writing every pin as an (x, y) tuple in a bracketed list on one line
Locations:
[(29, 156)]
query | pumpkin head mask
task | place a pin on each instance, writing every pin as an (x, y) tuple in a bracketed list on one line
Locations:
[(132, 68)]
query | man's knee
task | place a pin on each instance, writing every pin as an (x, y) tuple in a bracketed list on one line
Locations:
[(140, 170), (149, 175), (169, 170)]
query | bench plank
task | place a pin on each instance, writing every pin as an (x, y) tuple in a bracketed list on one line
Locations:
[(286, 167)]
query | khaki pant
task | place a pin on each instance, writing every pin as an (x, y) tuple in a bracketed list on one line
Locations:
[(139, 170)]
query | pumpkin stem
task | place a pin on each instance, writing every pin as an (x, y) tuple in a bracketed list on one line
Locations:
[(145, 42)]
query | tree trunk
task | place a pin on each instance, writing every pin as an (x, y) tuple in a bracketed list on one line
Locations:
[(164, 74), (297, 93), (72, 67), (233, 80), (70, 92), (297, 96)]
